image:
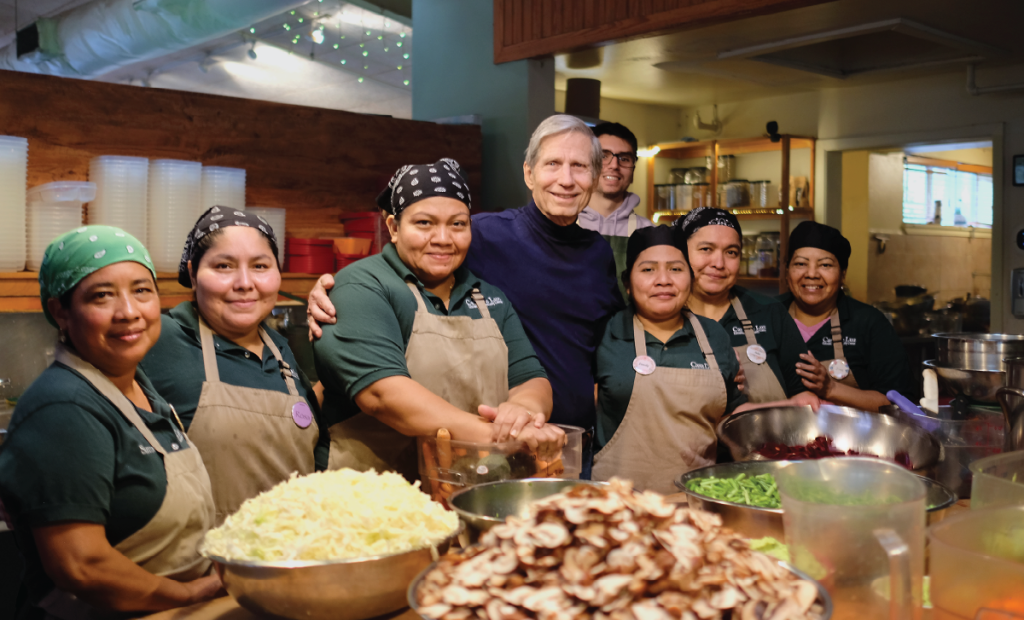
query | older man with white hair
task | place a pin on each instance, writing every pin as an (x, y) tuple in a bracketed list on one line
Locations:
[(559, 277)]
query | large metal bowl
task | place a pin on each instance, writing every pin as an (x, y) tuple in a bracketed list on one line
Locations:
[(977, 351), (978, 385), (823, 597), (869, 433), (344, 590), (754, 522), (485, 505)]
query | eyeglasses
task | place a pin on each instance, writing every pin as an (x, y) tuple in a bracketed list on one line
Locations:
[(626, 160)]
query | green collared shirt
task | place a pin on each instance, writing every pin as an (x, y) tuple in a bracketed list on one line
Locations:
[(876, 356), (615, 372), (375, 311), (774, 330), (175, 366), (71, 455)]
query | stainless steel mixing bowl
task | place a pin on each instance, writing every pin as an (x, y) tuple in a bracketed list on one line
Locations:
[(823, 596), (343, 590), (754, 522), (978, 385), (869, 433), (977, 351), (486, 505)]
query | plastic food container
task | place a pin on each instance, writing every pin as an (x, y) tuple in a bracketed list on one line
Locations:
[(63, 191), (998, 481), (963, 442), (448, 465), (854, 520), (977, 561)]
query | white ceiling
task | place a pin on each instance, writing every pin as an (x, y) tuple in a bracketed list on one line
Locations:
[(16, 14), (693, 74)]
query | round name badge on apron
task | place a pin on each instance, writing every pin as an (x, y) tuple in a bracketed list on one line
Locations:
[(302, 415), (756, 354), (838, 369), (644, 364)]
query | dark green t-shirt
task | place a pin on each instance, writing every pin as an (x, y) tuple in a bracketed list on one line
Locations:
[(71, 455), (175, 366), (376, 309), (876, 356), (615, 372), (774, 330)]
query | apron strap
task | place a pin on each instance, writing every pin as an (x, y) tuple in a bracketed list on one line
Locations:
[(639, 339), (481, 303), (837, 335), (105, 387), (286, 369), (748, 327), (209, 350), (421, 305), (702, 340), (631, 224)]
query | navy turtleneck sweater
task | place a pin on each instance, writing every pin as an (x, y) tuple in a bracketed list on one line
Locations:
[(561, 281)]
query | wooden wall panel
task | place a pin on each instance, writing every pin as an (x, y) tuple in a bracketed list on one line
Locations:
[(316, 163), (531, 28)]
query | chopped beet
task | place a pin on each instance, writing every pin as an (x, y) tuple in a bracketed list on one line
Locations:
[(818, 448)]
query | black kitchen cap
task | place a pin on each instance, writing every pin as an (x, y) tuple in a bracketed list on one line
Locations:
[(649, 237), (815, 235)]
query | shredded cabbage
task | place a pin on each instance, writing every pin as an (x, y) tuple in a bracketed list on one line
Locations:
[(332, 515)]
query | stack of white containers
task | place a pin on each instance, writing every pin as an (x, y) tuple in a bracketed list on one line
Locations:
[(174, 199), (13, 180), (223, 187), (121, 184), (54, 209), (274, 217)]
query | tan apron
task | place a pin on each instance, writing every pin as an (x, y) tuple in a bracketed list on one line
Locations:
[(837, 346), (250, 438), (461, 359), (669, 426), (762, 384), (168, 545)]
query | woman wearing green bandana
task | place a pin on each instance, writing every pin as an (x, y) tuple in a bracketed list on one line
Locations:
[(107, 497)]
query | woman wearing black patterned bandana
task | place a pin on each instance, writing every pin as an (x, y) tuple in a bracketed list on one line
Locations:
[(235, 382), (422, 344), (765, 340)]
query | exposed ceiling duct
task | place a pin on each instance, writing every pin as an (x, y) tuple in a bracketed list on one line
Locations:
[(104, 35)]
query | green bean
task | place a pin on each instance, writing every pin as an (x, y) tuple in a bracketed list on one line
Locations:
[(760, 491)]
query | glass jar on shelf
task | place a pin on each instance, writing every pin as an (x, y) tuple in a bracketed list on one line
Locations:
[(766, 257)]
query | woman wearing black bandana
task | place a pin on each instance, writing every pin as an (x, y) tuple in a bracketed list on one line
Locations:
[(234, 382), (421, 343), (766, 342), (854, 355)]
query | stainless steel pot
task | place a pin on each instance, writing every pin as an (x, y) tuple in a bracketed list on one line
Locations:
[(1011, 399), (977, 351)]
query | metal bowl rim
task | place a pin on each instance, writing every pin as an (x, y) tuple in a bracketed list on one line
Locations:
[(681, 485), (293, 564), (465, 514), (823, 595), (978, 337), (936, 365)]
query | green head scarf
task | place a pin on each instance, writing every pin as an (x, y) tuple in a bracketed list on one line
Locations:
[(74, 255)]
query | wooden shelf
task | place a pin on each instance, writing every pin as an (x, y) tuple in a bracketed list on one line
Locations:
[(735, 146), (741, 213), (19, 292)]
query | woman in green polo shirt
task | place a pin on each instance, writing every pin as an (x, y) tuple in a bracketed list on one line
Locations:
[(665, 376), (235, 382), (421, 343), (100, 484), (854, 355), (766, 342)]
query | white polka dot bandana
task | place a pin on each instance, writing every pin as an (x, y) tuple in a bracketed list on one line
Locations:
[(414, 183), (214, 219)]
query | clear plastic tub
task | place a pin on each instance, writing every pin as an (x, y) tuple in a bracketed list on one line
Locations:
[(63, 191), (963, 442), (448, 465), (998, 481), (977, 561)]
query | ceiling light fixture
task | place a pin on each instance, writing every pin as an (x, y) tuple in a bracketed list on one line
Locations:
[(318, 36), (206, 63), (252, 51), (649, 152)]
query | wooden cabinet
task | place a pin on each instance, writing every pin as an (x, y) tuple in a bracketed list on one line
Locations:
[(739, 147)]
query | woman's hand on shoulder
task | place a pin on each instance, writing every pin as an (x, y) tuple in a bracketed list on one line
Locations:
[(319, 309), (509, 420)]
